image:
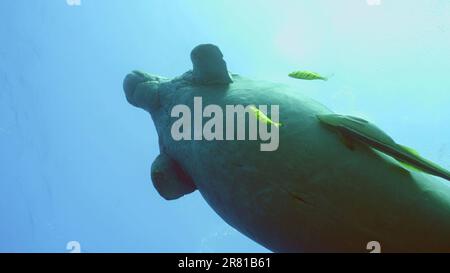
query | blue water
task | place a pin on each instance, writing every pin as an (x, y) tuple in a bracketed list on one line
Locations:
[(75, 156)]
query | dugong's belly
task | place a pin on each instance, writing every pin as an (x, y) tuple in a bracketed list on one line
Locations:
[(314, 193)]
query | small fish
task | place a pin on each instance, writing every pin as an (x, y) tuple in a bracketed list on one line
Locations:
[(307, 75), (262, 117), (353, 129)]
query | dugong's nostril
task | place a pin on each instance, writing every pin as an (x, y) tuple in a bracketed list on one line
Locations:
[(130, 82), (141, 90)]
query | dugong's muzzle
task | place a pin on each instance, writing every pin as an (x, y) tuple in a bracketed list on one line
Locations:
[(141, 90), (208, 68)]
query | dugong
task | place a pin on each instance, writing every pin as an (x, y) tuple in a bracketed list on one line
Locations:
[(311, 194)]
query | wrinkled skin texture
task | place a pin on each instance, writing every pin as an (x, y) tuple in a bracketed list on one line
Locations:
[(313, 194)]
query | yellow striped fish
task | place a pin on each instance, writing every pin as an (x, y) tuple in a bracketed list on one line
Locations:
[(262, 117), (307, 75)]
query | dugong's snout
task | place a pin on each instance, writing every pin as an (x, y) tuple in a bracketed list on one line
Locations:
[(141, 90)]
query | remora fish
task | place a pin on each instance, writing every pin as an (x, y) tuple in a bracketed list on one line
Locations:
[(357, 129)]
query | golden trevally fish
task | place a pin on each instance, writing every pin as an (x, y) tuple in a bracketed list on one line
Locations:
[(262, 117), (307, 75)]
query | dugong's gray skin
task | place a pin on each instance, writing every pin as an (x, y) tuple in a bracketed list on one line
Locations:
[(313, 194)]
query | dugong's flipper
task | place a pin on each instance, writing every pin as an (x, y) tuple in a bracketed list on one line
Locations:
[(353, 128), (169, 179), (209, 66)]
